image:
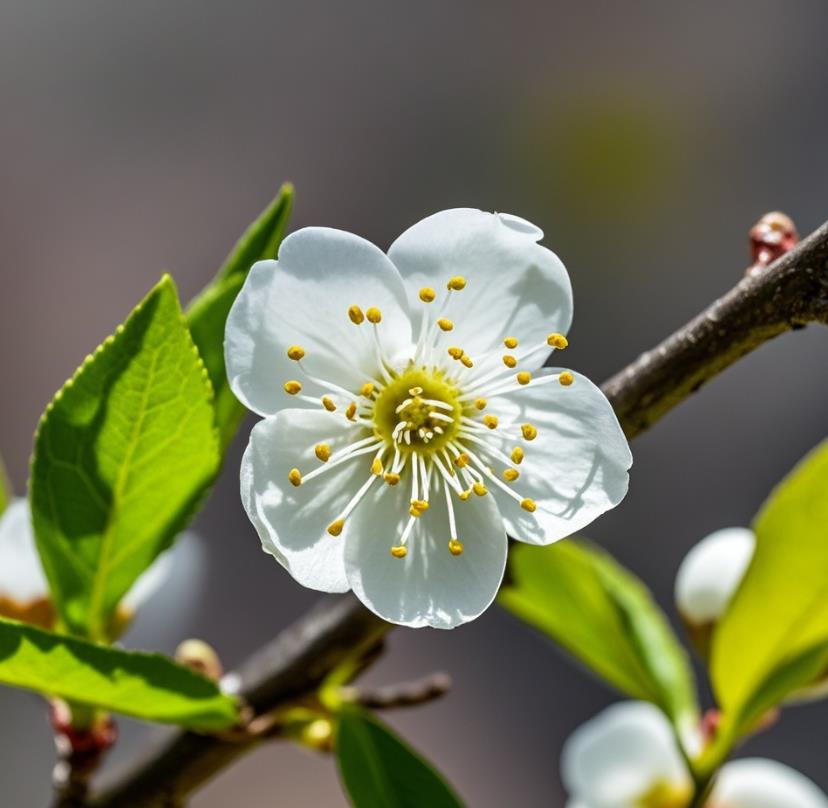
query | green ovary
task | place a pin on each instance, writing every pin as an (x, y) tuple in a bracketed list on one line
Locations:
[(418, 414)]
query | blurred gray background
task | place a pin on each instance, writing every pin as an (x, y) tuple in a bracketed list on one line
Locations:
[(645, 138)]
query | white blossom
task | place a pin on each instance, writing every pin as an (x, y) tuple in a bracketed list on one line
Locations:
[(627, 757), (409, 423), (24, 591)]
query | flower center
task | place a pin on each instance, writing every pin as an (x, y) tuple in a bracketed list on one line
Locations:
[(418, 411)]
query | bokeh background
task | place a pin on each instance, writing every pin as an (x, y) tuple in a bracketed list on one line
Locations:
[(645, 138)]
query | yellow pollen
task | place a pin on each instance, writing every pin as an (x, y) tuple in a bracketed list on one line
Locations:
[(466, 361), (295, 477), (456, 283), (455, 353), (356, 315), (376, 467), (511, 343), (490, 421), (517, 455), (350, 413), (480, 403), (480, 489), (528, 505), (558, 341), (445, 325), (566, 378), (427, 294), (419, 504), (464, 495), (455, 547), (373, 314), (323, 452), (529, 432), (509, 360), (462, 460), (295, 352), (399, 551), (391, 478), (327, 403), (293, 387), (415, 512), (335, 528), (367, 390), (415, 391), (510, 475), (524, 377)]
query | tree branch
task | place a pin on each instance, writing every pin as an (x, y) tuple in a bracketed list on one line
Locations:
[(791, 293)]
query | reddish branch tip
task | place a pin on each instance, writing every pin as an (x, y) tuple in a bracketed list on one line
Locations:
[(771, 237)]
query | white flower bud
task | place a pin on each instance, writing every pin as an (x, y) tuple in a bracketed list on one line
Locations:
[(710, 574)]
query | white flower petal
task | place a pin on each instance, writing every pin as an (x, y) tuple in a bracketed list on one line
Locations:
[(574, 470), (21, 575), (757, 783), (430, 586), (711, 572), (514, 287), (303, 299), (292, 521), (617, 757)]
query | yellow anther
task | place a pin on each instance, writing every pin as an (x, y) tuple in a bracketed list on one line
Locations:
[(524, 377), (511, 343), (455, 353), (480, 489), (490, 421), (391, 478), (295, 352), (509, 360), (455, 547), (529, 431), (367, 390), (376, 467), (335, 528), (327, 403), (528, 505), (399, 552), (517, 455), (373, 314), (445, 325), (462, 460), (323, 452), (427, 294), (466, 360), (558, 341), (510, 475), (464, 495), (456, 283), (419, 504), (415, 512), (566, 378), (295, 477), (415, 391), (356, 315), (293, 387), (350, 413), (480, 403)]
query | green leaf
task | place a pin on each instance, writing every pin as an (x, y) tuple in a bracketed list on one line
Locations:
[(147, 686), (775, 632), (207, 314), (605, 617), (379, 770), (6, 493), (122, 456)]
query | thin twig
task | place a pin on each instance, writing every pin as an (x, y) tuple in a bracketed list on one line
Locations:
[(790, 294)]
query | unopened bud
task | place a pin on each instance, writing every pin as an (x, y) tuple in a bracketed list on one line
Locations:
[(200, 657), (771, 237)]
